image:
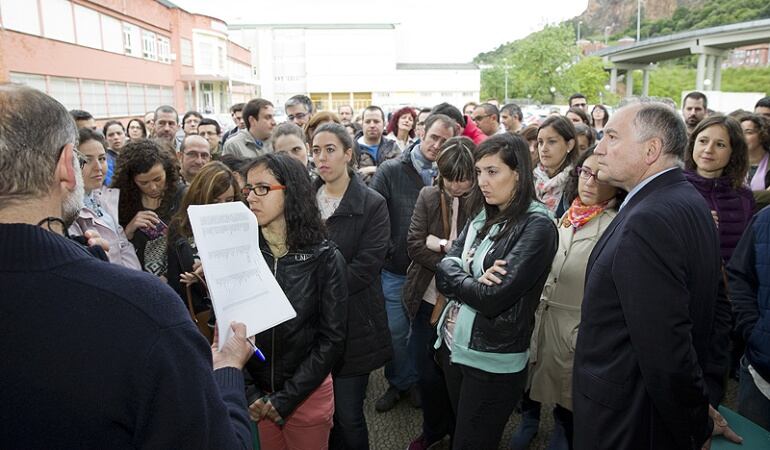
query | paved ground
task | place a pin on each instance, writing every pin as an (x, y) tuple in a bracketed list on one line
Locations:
[(394, 429)]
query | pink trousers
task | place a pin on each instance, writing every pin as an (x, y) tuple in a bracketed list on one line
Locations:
[(307, 428)]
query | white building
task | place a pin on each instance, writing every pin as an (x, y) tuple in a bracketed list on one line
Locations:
[(355, 64)]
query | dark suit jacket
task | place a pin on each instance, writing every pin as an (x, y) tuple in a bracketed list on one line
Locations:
[(648, 324)]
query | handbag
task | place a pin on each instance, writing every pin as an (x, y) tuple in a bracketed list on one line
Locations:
[(200, 319)]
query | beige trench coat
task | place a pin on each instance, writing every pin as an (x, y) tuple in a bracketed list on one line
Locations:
[(552, 348)]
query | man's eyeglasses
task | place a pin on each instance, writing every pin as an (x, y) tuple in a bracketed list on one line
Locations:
[(261, 190), (298, 116), (479, 118)]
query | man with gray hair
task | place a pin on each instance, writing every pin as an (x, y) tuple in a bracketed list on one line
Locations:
[(299, 110), (94, 353), (400, 180), (648, 360), (511, 117)]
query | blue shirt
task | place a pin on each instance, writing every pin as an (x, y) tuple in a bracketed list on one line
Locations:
[(644, 183)]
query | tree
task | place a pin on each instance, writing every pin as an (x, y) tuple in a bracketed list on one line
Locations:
[(588, 77)]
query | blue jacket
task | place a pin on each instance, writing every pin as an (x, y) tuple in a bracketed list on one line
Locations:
[(749, 286)]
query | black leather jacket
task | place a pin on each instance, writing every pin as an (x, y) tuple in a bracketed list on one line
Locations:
[(301, 352), (505, 312)]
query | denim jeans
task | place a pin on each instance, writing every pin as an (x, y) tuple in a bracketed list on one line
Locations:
[(437, 417), (400, 371), (752, 404), (349, 432)]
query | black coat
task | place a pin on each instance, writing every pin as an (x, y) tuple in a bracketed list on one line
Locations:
[(361, 230), (650, 317), (398, 181), (301, 352)]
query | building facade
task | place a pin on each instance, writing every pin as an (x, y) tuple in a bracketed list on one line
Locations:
[(349, 64), (118, 59)]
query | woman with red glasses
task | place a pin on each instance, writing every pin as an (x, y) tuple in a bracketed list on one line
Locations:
[(294, 403), (593, 205)]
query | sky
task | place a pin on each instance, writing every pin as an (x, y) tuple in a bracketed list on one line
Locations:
[(463, 28)]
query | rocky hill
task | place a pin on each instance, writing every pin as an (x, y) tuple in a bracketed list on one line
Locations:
[(620, 14)]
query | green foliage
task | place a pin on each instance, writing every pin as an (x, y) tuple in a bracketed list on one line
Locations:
[(713, 13), (545, 59)]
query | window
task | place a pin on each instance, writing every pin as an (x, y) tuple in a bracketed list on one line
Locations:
[(66, 91), (187, 53), (94, 97), (149, 46), (152, 96), (57, 20), (164, 50), (33, 81), (166, 95), (88, 27), (131, 39), (136, 105), (20, 16), (118, 98), (112, 33)]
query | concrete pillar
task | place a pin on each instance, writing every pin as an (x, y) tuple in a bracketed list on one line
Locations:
[(613, 80), (717, 82), (196, 96), (629, 83), (709, 70), (645, 82), (700, 73)]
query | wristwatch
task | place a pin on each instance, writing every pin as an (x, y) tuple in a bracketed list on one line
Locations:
[(442, 244)]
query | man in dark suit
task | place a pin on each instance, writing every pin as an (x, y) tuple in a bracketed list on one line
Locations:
[(650, 316)]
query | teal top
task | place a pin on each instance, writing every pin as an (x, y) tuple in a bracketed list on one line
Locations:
[(461, 353)]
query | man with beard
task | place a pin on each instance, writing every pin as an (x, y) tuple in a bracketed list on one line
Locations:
[(166, 124), (694, 109), (94, 352)]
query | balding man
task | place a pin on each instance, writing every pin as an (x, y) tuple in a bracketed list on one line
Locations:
[(94, 354), (193, 154), (646, 364)]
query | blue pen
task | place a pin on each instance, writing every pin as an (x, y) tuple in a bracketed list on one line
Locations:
[(257, 351)]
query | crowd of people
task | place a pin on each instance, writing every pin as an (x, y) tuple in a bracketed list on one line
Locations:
[(608, 264)]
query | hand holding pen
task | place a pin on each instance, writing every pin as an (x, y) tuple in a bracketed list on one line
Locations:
[(235, 352)]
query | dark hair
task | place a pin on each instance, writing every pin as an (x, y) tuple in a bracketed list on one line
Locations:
[(582, 129), (303, 100), (763, 102), (234, 163), (571, 188), (337, 130), (447, 121), (514, 152), (512, 109), (373, 108), (208, 121), (451, 111), (138, 157), (141, 125), (213, 180), (580, 113), (393, 124), (566, 129), (167, 109), (490, 110), (738, 165), (695, 95), (455, 160), (763, 128), (87, 134), (111, 123), (79, 114), (574, 96), (304, 226), (237, 107), (529, 132), (606, 114), (190, 114), (253, 108), (287, 129), (465, 106)]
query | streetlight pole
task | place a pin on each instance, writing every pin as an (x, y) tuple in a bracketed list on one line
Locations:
[(638, 19), (580, 22), (505, 62)]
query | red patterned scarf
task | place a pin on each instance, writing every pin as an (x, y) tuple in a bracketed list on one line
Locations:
[(579, 214)]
